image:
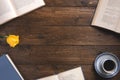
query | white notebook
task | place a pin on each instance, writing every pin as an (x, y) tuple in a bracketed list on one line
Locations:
[(73, 74), (10, 9)]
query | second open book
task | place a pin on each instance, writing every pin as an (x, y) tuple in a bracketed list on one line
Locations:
[(107, 15), (74, 74), (10, 9)]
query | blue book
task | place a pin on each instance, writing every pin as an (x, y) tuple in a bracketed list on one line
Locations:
[(8, 70)]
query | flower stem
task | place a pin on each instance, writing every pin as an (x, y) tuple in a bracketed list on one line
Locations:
[(2, 36)]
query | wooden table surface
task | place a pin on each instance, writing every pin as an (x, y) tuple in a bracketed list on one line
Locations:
[(58, 37)]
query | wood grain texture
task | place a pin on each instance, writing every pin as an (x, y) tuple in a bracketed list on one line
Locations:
[(59, 37), (57, 16), (62, 35), (47, 70), (71, 3)]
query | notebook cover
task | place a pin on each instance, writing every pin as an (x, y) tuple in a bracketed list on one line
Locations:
[(8, 71)]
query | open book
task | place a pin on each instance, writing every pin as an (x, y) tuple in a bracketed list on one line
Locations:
[(74, 74), (10, 9), (108, 15)]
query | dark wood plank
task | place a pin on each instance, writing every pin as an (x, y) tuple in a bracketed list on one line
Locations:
[(40, 71), (71, 3), (67, 55), (62, 35), (56, 16)]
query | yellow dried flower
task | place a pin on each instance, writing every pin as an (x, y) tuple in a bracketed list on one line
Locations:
[(12, 40)]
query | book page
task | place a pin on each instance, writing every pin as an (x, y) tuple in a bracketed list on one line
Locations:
[(54, 77), (23, 6), (107, 14), (74, 74), (6, 11)]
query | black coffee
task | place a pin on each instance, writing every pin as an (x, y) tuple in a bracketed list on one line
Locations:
[(109, 65)]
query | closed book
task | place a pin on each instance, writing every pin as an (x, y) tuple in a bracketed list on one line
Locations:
[(8, 70)]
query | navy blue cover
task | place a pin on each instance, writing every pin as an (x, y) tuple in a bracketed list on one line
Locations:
[(7, 71)]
